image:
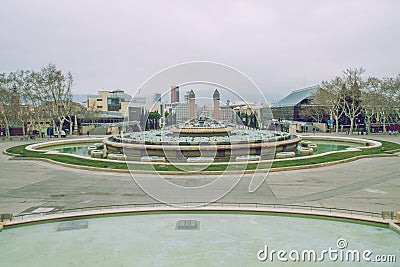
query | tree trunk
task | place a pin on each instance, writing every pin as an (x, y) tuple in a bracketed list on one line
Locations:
[(384, 123), (54, 126), (336, 124), (23, 128), (351, 126), (7, 126), (70, 125), (60, 128)]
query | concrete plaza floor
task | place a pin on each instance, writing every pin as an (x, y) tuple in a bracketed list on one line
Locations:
[(371, 184)]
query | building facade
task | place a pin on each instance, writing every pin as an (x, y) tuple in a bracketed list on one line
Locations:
[(174, 94), (291, 106), (113, 101), (216, 99)]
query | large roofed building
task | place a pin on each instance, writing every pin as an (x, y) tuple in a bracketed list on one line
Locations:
[(290, 107)]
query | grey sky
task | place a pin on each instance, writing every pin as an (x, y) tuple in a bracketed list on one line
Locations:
[(281, 45)]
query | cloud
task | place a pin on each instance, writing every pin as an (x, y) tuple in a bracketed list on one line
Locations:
[(281, 45)]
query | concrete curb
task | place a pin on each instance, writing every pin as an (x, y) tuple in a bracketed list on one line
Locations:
[(373, 144), (394, 227), (394, 151), (318, 165), (109, 212), (36, 146), (9, 154), (331, 163), (71, 165)]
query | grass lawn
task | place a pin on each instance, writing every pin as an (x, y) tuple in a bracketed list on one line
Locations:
[(389, 146), (20, 151)]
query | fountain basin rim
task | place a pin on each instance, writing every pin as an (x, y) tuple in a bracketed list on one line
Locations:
[(189, 147), (239, 208), (36, 147)]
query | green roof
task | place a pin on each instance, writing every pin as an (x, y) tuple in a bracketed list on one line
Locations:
[(120, 94), (110, 115), (296, 97)]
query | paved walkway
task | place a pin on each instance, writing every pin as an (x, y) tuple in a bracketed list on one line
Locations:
[(371, 184)]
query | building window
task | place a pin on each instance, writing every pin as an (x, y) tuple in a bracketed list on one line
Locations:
[(99, 106), (114, 107), (99, 99)]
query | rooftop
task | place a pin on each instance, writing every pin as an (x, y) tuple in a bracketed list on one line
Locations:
[(120, 94), (296, 97)]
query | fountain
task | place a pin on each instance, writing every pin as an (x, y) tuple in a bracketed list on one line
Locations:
[(202, 138)]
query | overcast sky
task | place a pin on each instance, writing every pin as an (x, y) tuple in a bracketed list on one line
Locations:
[(281, 45)]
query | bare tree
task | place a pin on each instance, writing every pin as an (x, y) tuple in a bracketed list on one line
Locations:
[(380, 101), (37, 97), (55, 90), (353, 84), (91, 114), (390, 89), (371, 99), (330, 96), (314, 112), (22, 108), (32, 94), (5, 102)]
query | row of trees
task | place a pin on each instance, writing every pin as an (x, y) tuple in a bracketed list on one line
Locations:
[(46, 96), (36, 97), (249, 120), (153, 121), (353, 98)]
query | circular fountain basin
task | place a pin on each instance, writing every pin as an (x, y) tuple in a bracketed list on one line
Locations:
[(186, 238), (195, 142), (79, 148)]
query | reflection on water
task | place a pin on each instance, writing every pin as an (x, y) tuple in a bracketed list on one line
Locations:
[(323, 146), (328, 146), (78, 149)]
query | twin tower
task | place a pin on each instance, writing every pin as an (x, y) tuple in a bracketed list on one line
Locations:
[(192, 105)]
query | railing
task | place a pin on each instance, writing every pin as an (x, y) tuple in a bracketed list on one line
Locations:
[(284, 208)]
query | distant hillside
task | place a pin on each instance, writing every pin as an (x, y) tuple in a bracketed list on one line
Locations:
[(81, 98)]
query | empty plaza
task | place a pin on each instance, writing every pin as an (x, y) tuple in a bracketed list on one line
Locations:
[(370, 184)]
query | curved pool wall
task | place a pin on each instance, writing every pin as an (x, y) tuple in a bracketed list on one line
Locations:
[(359, 145), (47, 146), (323, 147), (221, 148), (218, 238), (366, 143)]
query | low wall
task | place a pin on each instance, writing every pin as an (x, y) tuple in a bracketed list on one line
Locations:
[(40, 147), (367, 144)]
